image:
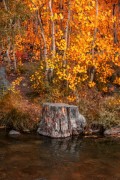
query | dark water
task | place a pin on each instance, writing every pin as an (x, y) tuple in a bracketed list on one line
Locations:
[(39, 158)]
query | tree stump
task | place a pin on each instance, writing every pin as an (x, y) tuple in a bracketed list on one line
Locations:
[(60, 120)]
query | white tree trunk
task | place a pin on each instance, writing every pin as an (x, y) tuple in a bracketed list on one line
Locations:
[(67, 32), (53, 29), (94, 39)]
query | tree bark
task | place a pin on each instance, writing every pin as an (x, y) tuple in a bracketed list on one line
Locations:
[(61, 120), (44, 40), (14, 58), (93, 49), (8, 55), (43, 37), (5, 6), (67, 32), (53, 29)]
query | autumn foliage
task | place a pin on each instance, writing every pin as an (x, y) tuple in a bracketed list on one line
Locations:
[(75, 42)]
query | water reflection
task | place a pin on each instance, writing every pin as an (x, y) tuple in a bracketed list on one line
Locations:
[(68, 146), (41, 158)]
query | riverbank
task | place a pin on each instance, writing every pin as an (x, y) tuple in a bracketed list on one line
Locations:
[(108, 133), (21, 114)]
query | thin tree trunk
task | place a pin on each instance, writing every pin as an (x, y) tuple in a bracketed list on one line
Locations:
[(53, 39), (8, 38), (67, 32), (66, 38), (61, 9), (53, 30), (94, 38), (45, 44), (15, 60), (114, 26), (5, 6), (8, 55), (43, 37), (44, 40)]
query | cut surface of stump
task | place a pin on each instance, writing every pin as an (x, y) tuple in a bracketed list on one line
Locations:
[(61, 120)]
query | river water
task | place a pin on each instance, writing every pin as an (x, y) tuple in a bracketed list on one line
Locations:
[(32, 157)]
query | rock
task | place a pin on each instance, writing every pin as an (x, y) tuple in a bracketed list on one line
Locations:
[(2, 127), (26, 131), (14, 133), (61, 120), (95, 129), (115, 131), (4, 84)]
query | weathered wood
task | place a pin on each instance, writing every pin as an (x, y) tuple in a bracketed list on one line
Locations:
[(61, 120)]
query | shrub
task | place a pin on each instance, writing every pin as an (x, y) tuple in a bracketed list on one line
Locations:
[(89, 104), (97, 108), (109, 113), (18, 113)]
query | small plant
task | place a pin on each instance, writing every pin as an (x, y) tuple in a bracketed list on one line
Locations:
[(2, 91), (15, 84)]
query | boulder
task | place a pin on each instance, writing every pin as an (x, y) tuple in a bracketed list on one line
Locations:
[(26, 131), (95, 129), (4, 84), (114, 131), (60, 120), (14, 133)]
